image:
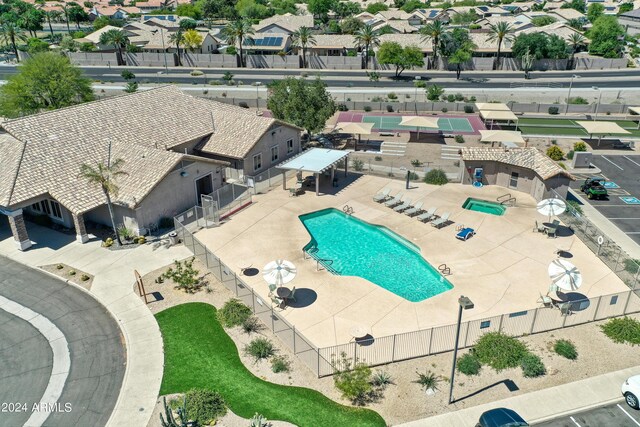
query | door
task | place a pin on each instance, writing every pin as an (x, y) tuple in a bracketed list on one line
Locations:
[(513, 182), (204, 186)]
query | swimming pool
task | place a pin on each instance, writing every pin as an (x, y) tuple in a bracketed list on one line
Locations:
[(375, 253), (484, 206)]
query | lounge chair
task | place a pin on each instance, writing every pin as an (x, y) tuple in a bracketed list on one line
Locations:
[(395, 201), (416, 209), (382, 196), (405, 205), (440, 222), (465, 233), (427, 216), (539, 227)]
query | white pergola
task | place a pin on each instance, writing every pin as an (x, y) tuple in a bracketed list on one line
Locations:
[(602, 128), (634, 117), (316, 161), (499, 115), (492, 106)]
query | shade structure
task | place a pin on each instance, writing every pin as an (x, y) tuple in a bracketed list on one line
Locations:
[(551, 207), (602, 128), (501, 136), (279, 272), (564, 275), (498, 115), (419, 121), (492, 106), (354, 128)]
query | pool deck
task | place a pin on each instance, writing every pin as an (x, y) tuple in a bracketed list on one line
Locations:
[(503, 268)]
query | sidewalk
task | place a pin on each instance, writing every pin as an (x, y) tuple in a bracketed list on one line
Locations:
[(113, 286)]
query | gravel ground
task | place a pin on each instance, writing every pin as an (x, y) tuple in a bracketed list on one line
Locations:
[(64, 274), (404, 400)]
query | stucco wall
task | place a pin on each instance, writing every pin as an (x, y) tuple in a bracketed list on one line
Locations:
[(276, 136)]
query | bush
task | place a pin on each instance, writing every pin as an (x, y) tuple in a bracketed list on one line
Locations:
[(243, 104), (280, 364), (459, 139), (357, 165), (469, 364), (575, 206), (468, 109), (416, 163), (378, 158), (577, 100), (72, 272), (414, 176), (389, 108), (381, 379), (565, 348), (553, 110), (472, 99), (451, 98), (500, 351), (59, 266), (251, 324), (233, 313), (258, 420), (353, 379), (631, 265), (562, 165), (434, 92), (367, 108), (436, 177), (532, 366), (459, 97), (392, 95), (84, 277), (204, 406), (108, 242), (570, 155), (342, 107), (125, 233), (428, 380), (444, 109), (623, 330), (579, 146), (260, 348), (555, 153), (377, 99), (184, 275)]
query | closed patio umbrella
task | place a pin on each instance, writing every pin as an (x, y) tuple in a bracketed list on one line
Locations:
[(564, 275), (279, 272), (551, 207)]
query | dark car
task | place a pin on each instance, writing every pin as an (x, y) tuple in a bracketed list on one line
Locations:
[(501, 417)]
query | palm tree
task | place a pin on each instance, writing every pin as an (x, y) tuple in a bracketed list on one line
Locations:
[(434, 31), (117, 38), (177, 38), (303, 38), (52, 15), (105, 176), (576, 41), (237, 32), (10, 34), (192, 40), (499, 32), (366, 37), (65, 11)]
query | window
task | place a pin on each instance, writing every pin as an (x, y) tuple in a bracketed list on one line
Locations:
[(257, 162), (274, 154), (55, 209), (290, 146), (513, 182), (485, 324), (518, 314), (45, 207), (36, 207), (614, 300)]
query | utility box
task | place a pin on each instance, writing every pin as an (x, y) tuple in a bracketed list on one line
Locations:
[(581, 160)]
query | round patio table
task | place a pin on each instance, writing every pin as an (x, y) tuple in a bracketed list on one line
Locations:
[(283, 292), (359, 332)]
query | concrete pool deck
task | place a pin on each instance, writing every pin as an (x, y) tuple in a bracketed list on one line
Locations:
[(503, 268)]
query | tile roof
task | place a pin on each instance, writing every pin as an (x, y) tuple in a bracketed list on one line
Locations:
[(530, 158), (287, 21), (335, 41)]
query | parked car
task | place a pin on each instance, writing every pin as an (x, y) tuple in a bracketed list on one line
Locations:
[(631, 391), (501, 417), (594, 188)]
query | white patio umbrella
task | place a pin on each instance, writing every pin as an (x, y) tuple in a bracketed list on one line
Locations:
[(279, 272), (551, 207), (564, 275)]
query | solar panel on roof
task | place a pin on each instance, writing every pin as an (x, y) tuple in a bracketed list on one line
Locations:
[(433, 13)]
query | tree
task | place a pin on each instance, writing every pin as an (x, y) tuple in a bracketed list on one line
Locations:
[(458, 47), (433, 32), (303, 38), (68, 44), (576, 24), (105, 176), (282, 7), (101, 22), (77, 14), (464, 18), (556, 47), (189, 10), (594, 11), (578, 5), (10, 35), (500, 32), (188, 24), (541, 21), (192, 40), (625, 7), (236, 33), (527, 64), (576, 42), (606, 37), (65, 11), (374, 8), (116, 38), (251, 9), (177, 37), (306, 104), (345, 9), (52, 15), (35, 45), (320, 8), (46, 81), (402, 58), (31, 21), (131, 87), (212, 9), (366, 38), (412, 5), (351, 25)]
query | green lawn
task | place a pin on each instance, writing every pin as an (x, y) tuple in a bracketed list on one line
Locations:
[(199, 353)]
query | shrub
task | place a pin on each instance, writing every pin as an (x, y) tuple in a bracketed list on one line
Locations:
[(468, 109), (562, 165), (125, 233), (416, 163), (570, 155), (579, 146), (555, 153), (469, 364), (184, 275), (342, 107), (84, 277), (108, 242), (353, 379), (251, 324), (444, 109), (377, 99), (459, 139), (475, 26), (553, 110), (500, 351), (280, 364), (575, 206), (357, 164), (367, 108), (204, 406), (258, 420), (578, 100), (436, 177), (243, 104), (472, 99), (59, 266), (260, 348), (413, 176), (233, 313), (565, 348), (428, 380), (381, 379), (392, 95), (165, 222), (434, 92), (451, 98), (378, 158), (389, 108), (459, 97), (631, 265), (623, 330), (72, 272), (532, 366)]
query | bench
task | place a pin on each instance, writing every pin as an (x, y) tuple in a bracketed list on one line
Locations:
[(387, 134)]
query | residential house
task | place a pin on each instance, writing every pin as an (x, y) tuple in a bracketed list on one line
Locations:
[(333, 45), (267, 43), (284, 24), (564, 15), (486, 11), (630, 21), (433, 15), (113, 12), (560, 29)]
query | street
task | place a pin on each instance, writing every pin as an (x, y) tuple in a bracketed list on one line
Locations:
[(615, 415)]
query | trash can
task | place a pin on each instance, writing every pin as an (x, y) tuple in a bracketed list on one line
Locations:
[(173, 238)]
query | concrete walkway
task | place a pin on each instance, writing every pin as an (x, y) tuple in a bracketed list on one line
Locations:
[(112, 286)]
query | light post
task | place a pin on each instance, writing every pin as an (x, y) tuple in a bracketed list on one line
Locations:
[(158, 75), (599, 101), (258, 84), (574, 76), (164, 50), (464, 304), (415, 96)]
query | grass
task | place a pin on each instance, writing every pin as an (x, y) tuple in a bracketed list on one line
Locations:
[(200, 354)]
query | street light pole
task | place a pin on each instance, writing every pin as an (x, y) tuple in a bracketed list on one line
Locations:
[(464, 304), (415, 96), (599, 101), (258, 97), (574, 76), (164, 50)]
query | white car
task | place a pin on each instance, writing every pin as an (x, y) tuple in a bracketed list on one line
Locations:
[(631, 391)]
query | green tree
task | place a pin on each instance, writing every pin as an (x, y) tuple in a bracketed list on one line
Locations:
[(576, 24), (192, 40), (218, 9), (282, 7), (10, 35), (46, 81), (606, 37), (35, 45), (177, 37), (366, 38), (77, 14), (68, 44), (458, 47), (345, 9), (411, 5), (321, 8), (303, 38), (101, 22), (51, 15), (118, 39), (188, 24), (237, 33), (31, 21), (65, 11), (625, 7), (527, 64), (374, 8), (532, 43), (594, 11), (576, 42), (105, 176), (556, 47), (189, 10), (578, 5), (402, 58), (464, 18), (251, 9), (306, 104), (351, 25), (500, 32), (433, 32), (541, 21)]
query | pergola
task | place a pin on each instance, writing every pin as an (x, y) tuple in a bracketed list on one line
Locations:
[(317, 161), (505, 137), (355, 129), (499, 115), (602, 128), (492, 106)]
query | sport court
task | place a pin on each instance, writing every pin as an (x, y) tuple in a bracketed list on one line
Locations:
[(565, 127), (446, 124)]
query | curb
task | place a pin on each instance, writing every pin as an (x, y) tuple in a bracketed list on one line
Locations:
[(576, 410)]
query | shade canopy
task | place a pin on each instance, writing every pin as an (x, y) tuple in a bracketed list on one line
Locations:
[(635, 110), (354, 128), (492, 106), (316, 160), (501, 136), (279, 272), (419, 121), (564, 275), (498, 115), (551, 207), (602, 127)]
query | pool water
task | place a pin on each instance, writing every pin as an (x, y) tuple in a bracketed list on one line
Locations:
[(375, 253), (485, 206)]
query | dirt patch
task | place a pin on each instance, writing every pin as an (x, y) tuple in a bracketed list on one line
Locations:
[(71, 274)]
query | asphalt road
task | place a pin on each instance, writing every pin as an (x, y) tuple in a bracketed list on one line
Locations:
[(616, 415), (623, 171), (95, 345)]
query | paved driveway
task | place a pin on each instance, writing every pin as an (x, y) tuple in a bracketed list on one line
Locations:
[(616, 415), (94, 341)]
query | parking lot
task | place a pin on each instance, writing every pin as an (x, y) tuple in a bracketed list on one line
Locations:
[(616, 415), (622, 207)]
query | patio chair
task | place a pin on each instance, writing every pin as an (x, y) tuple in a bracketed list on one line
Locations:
[(403, 206), (565, 309), (465, 233), (427, 216), (277, 302), (539, 227), (545, 300), (416, 209), (292, 295), (552, 231), (394, 201), (272, 289), (382, 196), (442, 221)]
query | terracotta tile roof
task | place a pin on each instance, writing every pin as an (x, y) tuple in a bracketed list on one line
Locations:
[(287, 21), (530, 158), (335, 41)]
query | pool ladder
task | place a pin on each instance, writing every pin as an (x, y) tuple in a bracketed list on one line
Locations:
[(506, 199), (446, 271), (320, 262)]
